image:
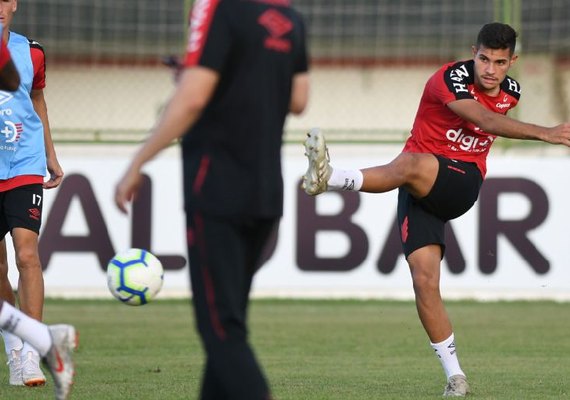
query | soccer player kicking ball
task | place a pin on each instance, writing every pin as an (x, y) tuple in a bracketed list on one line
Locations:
[(440, 170)]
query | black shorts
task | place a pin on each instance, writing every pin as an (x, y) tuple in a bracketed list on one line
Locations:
[(422, 221), (21, 207)]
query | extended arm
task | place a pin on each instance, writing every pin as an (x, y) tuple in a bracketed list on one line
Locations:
[(504, 126), (191, 96)]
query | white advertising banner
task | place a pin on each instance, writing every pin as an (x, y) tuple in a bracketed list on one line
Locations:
[(513, 244)]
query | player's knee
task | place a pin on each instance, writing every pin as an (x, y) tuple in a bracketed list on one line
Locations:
[(424, 280), (414, 167), (3, 269), (27, 259)]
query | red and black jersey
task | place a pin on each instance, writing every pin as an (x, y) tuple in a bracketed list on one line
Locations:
[(232, 155), (440, 131)]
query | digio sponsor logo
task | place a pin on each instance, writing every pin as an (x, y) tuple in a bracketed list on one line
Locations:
[(466, 142)]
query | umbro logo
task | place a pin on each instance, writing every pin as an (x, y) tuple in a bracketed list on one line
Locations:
[(278, 25), (5, 96), (34, 213)]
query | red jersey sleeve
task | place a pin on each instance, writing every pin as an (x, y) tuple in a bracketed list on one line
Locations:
[(39, 62)]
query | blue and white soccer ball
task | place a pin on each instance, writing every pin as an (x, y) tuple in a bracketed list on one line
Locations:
[(134, 276)]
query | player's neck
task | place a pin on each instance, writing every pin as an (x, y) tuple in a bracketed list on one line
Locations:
[(493, 92)]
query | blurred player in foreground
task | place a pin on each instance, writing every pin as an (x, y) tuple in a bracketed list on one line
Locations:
[(245, 70), (441, 169), (26, 152), (54, 343), (9, 77)]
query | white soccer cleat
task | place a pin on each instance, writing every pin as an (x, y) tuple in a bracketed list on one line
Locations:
[(32, 374), (315, 180), (58, 359), (457, 386), (15, 367)]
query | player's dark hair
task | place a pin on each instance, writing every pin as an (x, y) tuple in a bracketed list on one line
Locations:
[(497, 36)]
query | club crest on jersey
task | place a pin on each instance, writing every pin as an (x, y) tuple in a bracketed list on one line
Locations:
[(12, 131)]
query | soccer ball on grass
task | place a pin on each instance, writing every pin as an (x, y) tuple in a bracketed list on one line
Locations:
[(134, 276)]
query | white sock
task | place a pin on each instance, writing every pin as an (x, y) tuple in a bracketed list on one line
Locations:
[(11, 342), (29, 348), (27, 328), (446, 353), (348, 180)]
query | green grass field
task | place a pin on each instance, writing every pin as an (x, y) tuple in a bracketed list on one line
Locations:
[(318, 350)]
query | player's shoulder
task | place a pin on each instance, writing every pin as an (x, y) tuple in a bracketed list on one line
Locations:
[(37, 53), (511, 86), (278, 12), (459, 70), (21, 40), (34, 44), (25, 39), (279, 4), (454, 77)]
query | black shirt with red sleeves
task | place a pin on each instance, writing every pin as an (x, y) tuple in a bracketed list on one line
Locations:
[(232, 155)]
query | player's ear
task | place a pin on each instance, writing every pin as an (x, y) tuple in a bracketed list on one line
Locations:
[(514, 59), (14, 5), (474, 50)]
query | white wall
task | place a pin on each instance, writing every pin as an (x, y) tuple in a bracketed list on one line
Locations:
[(72, 273)]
